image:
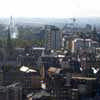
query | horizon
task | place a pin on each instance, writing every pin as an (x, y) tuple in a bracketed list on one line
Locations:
[(89, 17)]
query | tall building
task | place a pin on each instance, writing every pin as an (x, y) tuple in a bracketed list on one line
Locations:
[(13, 28), (53, 37), (9, 42), (88, 27), (10, 56), (9, 47)]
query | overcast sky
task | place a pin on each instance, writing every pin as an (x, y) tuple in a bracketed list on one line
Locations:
[(50, 8)]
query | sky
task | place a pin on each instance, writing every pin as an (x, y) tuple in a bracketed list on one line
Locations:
[(50, 8)]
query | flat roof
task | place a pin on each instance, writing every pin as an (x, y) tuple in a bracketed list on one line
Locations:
[(38, 48)]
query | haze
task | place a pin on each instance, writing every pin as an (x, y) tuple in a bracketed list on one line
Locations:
[(50, 8)]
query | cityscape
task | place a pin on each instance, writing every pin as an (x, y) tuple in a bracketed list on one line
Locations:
[(58, 61)]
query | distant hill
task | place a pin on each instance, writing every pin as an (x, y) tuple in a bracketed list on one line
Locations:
[(53, 21)]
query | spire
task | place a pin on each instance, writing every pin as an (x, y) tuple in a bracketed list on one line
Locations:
[(11, 23), (13, 29)]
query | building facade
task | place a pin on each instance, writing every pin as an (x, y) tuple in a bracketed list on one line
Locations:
[(53, 37), (79, 44), (11, 92)]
